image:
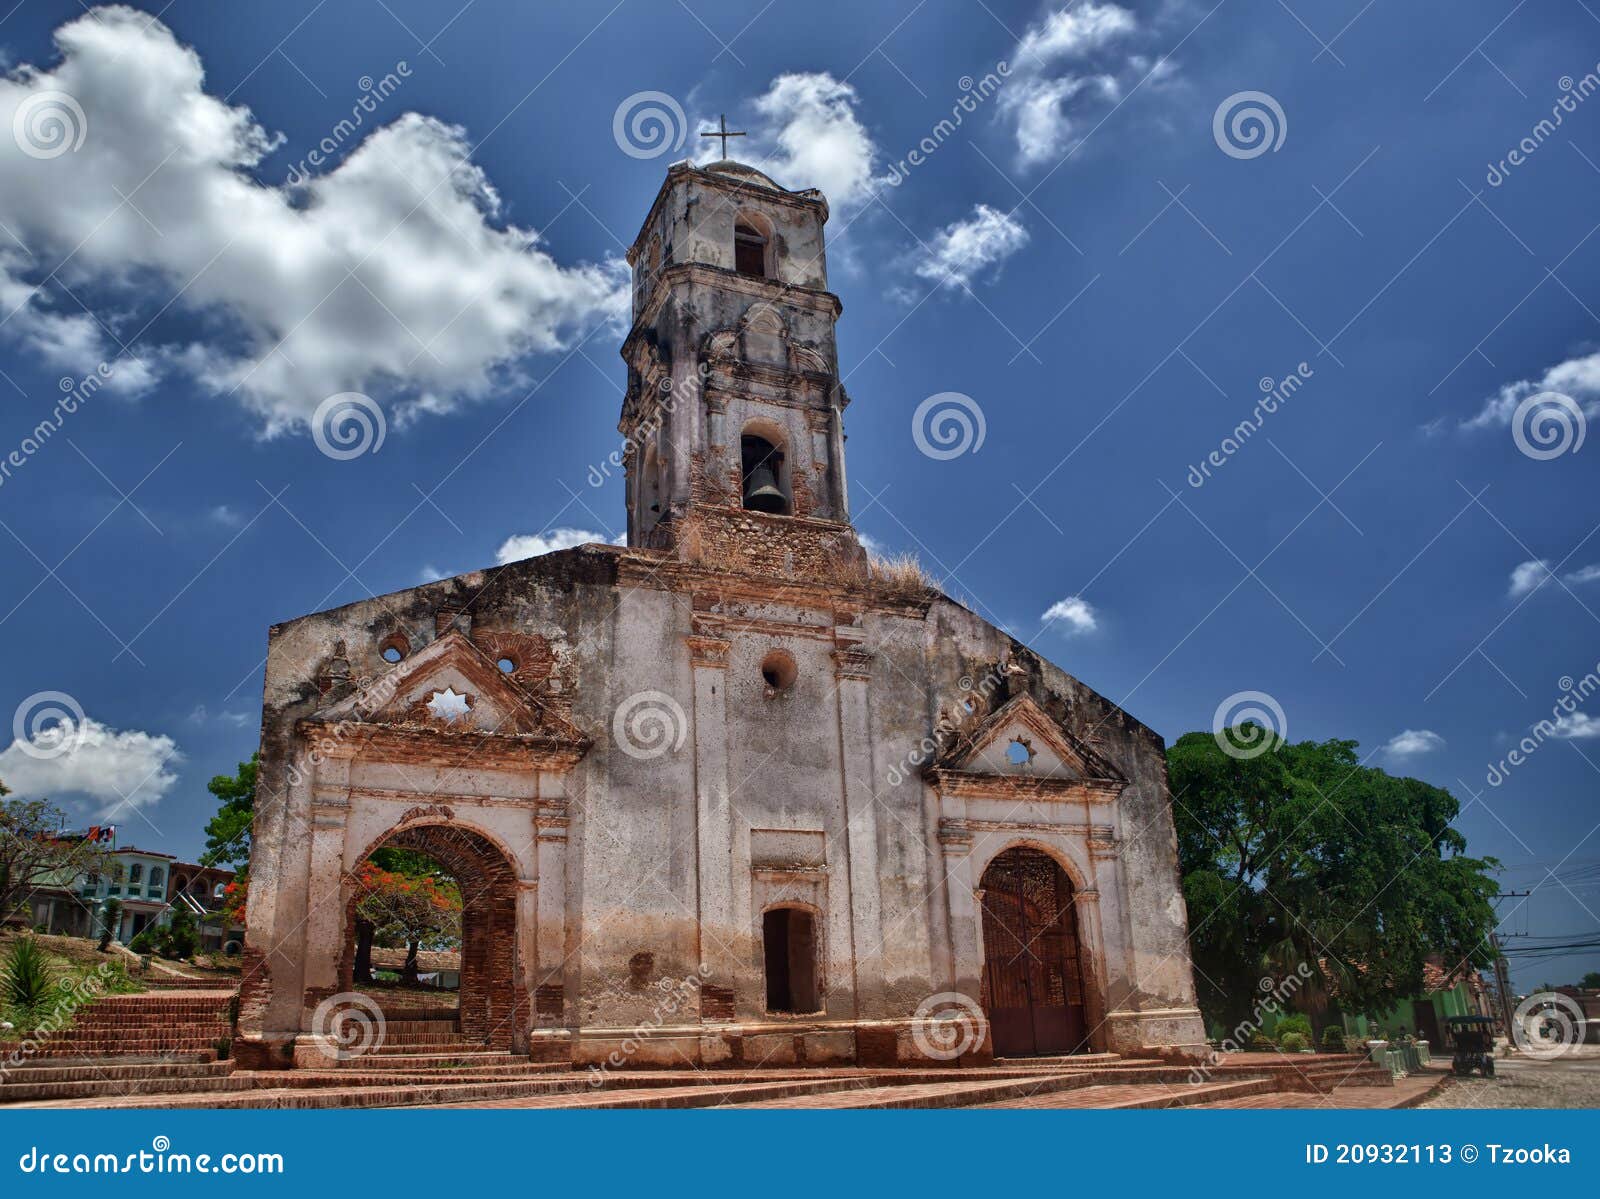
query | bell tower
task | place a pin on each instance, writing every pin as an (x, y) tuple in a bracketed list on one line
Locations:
[(733, 409)]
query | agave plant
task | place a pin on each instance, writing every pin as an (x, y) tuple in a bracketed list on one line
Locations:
[(27, 980)]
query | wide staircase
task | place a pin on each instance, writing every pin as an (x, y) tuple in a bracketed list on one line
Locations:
[(160, 1050)]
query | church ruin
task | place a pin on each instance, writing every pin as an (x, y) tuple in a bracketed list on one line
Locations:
[(724, 795)]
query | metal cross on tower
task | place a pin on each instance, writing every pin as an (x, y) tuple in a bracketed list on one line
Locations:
[(723, 132)]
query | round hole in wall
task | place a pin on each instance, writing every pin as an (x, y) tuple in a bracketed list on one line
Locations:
[(778, 670), (394, 648), (1019, 752), (506, 665)]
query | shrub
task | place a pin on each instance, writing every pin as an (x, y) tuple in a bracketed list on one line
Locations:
[(1333, 1039), (1293, 1042), (1298, 1023), (1261, 1043), (28, 980), (145, 942)]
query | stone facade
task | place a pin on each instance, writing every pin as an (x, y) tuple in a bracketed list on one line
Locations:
[(632, 757)]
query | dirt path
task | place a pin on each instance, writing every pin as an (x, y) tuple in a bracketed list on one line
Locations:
[(1569, 1081)]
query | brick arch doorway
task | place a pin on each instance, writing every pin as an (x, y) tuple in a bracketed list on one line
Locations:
[(493, 1001), (1034, 967)]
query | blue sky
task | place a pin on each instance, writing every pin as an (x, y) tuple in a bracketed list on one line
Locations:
[(1097, 259)]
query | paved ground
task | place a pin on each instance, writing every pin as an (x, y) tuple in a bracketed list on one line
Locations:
[(1569, 1081)]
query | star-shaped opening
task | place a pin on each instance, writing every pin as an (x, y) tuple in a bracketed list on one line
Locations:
[(449, 705)]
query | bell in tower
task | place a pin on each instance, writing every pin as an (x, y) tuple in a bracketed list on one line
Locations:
[(734, 409)]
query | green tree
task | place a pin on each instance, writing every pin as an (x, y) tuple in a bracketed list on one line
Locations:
[(110, 918), (1591, 981), (33, 854), (182, 936), (1302, 855), (228, 832)]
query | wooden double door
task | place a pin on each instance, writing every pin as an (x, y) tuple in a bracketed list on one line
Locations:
[(1033, 970)]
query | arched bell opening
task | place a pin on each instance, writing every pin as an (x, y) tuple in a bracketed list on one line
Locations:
[(763, 470)]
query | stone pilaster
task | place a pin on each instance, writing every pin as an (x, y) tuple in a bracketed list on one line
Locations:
[(852, 667), (708, 657)]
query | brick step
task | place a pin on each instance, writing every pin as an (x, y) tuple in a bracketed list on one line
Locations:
[(110, 1090), (1141, 1096), (174, 983), (100, 1033), (156, 1047), (468, 1055), (107, 1070), (115, 1061), (410, 1024), (1073, 1061), (433, 1046)]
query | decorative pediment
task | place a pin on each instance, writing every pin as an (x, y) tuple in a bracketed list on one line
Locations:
[(1020, 747), (448, 696)]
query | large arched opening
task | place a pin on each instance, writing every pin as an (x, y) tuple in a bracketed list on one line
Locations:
[(476, 877), (1036, 971)]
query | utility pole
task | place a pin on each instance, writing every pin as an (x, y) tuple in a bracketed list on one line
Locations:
[(1502, 973)]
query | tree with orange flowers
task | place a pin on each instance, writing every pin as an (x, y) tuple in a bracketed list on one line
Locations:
[(406, 907)]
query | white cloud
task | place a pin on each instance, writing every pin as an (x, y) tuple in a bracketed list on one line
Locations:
[(392, 273), (1528, 576), (1577, 726), (120, 770), (1073, 612), (1578, 378), (1074, 32), (810, 120), (1584, 574), (966, 248), (531, 545), (432, 574), (1412, 742), (1061, 66)]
